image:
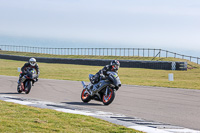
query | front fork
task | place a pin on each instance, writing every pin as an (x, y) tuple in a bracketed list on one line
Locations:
[(86, 87), (22, 86), (107, 91)]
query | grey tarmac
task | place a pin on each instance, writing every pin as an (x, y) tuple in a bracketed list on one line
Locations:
[(174, 106)]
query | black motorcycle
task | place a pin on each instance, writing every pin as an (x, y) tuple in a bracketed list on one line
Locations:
[(27, 81), (103, 91)]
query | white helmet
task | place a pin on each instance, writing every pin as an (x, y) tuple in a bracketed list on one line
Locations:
[(32, 61)]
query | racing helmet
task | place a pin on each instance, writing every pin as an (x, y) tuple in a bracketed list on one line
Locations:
[(32, 61), (115, 64)]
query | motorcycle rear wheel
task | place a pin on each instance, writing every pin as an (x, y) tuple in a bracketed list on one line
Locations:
[(109, 98), (85, 96)]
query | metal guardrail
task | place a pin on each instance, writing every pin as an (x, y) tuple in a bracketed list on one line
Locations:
[(137, 52)]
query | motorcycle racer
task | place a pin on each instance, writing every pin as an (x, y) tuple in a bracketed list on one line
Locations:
[(114, 66), (103, 85), (31, 64)]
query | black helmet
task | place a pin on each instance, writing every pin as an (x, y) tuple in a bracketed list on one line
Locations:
[(115, 64)]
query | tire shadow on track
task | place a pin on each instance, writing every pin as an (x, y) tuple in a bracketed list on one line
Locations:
[(10, 93), (83, 104)]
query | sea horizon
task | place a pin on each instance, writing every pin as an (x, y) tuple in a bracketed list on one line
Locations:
[(72, 43)]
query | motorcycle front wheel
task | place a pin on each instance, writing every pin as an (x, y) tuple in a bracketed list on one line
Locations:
[(19, 89), (28, 87), (85, 96), (107, 99)]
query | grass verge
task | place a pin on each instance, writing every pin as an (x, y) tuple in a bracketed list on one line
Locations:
[(132, 76), (21, 118)]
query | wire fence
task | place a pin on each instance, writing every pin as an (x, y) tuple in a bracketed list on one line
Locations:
[(136, 52)]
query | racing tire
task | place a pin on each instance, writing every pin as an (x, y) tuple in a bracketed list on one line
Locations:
[(28, 87), (85, 96), (108, 99), (18, 89)]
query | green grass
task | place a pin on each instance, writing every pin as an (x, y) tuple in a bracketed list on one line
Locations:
[(19, 118), (132, 76)]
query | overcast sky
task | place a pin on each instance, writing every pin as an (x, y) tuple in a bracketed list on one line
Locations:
[(168, 24)]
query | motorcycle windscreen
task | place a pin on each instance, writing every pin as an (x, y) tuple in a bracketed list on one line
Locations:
[(31, 73), (115, 79)]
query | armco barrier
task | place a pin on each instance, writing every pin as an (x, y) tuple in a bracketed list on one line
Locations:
[(164, 65)]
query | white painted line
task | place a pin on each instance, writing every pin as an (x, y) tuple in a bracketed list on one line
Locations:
[(5, 96), (148, 129), (43, 102), (107, 114), (185, 130), (75, 112), (19, 102)]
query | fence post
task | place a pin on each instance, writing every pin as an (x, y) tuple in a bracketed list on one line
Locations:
[(138, 52), (143, 52), (128, 52), (75, 51), (166, 54), (159, 53)]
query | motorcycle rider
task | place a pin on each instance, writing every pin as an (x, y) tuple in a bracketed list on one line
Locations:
[(114, 66), (31, 64)]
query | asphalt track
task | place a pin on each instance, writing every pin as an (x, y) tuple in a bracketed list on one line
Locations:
[(180, 107)]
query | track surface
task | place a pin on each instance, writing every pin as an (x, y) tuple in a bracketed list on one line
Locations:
[(180, 107)]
